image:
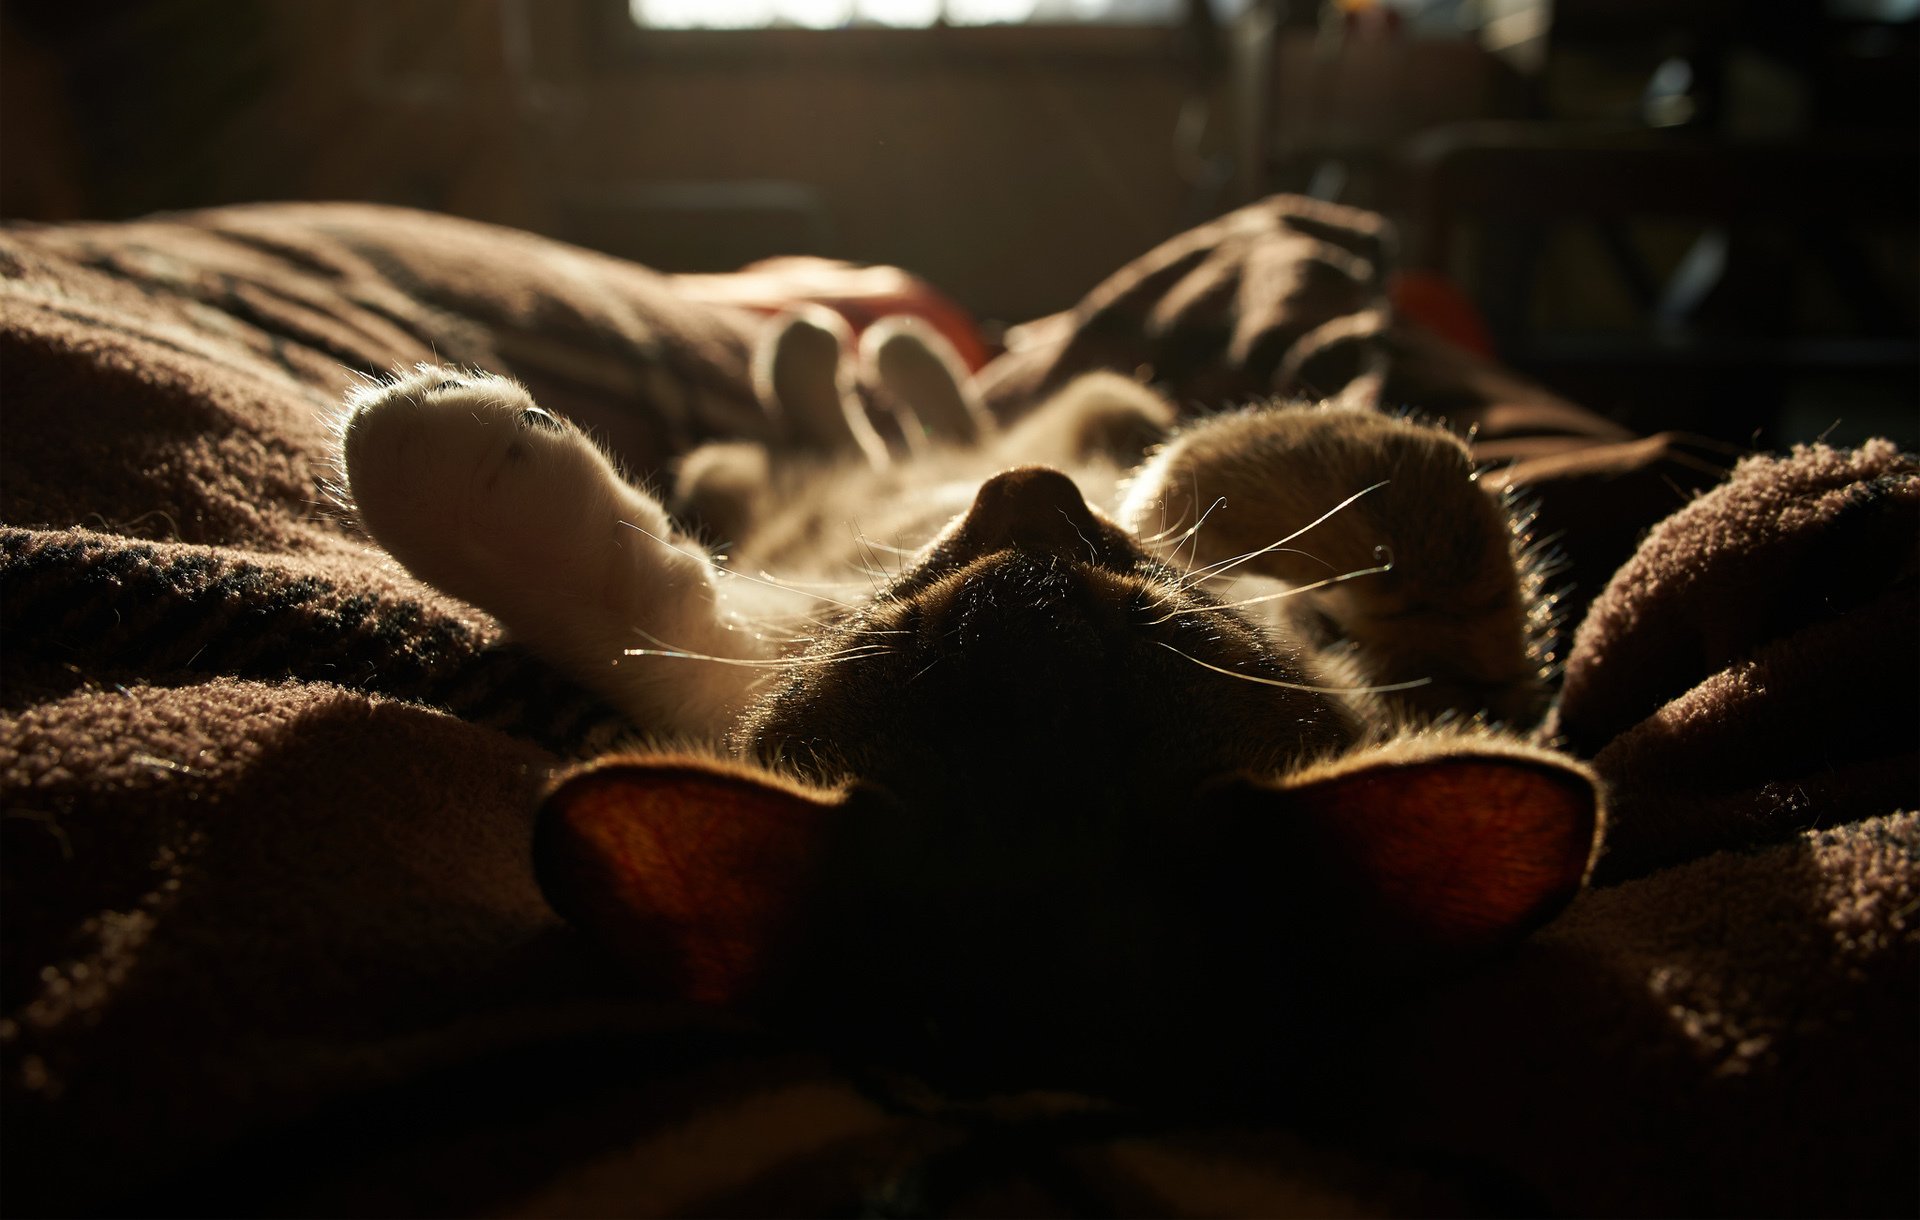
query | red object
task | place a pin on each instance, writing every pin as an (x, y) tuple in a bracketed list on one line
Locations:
[(862, 295), (1431, 301)]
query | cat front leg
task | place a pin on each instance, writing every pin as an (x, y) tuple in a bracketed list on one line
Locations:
[(1379, 524), (479, 492)]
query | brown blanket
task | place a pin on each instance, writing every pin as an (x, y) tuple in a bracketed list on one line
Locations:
[(271, 941)]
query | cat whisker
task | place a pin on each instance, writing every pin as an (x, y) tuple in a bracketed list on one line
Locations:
[(1227, 565), (1387, 688), (928, 669), (1280, 596), (668, 650), (1194, 533), (729, 572), (1093, 556), (767, 630), (767, 577), (873, 562), (1165, 529), (769, 633), (1201, 575), (859, 653), (835, 658)]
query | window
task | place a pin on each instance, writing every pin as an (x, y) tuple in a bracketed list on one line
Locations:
[(903, 14)]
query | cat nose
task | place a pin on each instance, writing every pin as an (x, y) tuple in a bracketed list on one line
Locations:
[(1034, 508)]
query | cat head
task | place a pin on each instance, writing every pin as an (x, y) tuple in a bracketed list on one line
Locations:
[(1036, 653), (1025, 819)]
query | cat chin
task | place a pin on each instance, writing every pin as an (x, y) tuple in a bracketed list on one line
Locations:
[(1019, 947)]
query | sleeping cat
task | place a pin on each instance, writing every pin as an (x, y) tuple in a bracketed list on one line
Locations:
[(1069, 753)]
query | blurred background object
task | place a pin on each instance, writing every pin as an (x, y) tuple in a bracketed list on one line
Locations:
[(1692, 210)]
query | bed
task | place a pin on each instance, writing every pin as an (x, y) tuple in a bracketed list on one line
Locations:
[(272, 943)]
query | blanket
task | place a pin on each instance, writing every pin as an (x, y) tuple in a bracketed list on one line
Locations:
[(271, 940)]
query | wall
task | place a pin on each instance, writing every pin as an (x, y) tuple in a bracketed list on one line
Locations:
[(1013, 172)]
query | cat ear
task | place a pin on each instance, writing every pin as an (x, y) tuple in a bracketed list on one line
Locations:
[(700, 875), (1418, 856)]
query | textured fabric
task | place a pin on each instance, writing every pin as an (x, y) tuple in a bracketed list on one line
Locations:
[(271, 940), (1795, 584)]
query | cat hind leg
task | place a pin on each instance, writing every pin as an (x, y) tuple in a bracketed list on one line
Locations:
[(918, 372), (803, 379)]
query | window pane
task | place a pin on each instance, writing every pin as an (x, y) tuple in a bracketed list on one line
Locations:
[(831, 14), (912, 13)]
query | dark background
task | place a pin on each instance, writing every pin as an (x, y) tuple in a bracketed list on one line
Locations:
[(1684, 214)]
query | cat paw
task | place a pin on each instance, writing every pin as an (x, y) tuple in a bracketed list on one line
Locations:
[(475, 488)]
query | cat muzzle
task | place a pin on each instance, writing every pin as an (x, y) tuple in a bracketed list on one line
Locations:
[(1039, 510)]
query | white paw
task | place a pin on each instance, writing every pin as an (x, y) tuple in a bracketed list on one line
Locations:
[(477, 490), (482, 494)]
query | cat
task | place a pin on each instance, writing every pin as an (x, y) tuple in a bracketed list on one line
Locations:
[(1050, 794)]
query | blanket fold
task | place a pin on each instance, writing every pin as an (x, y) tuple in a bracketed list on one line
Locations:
[(120, 612), (1749, 672)]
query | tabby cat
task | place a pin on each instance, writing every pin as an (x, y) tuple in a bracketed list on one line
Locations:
[(1091, 750)]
